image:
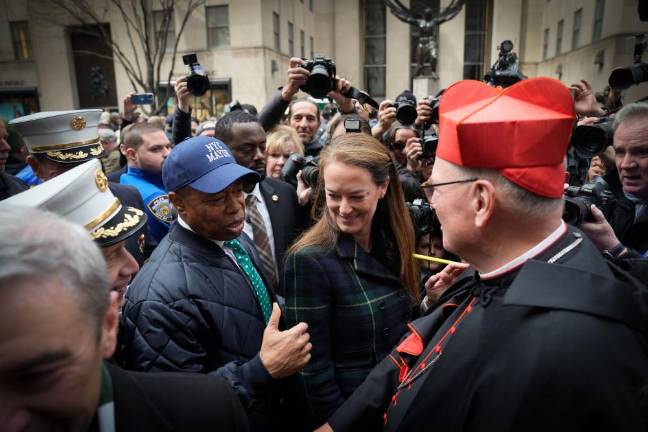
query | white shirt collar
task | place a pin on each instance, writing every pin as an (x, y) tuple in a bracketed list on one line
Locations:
[(534, 251)]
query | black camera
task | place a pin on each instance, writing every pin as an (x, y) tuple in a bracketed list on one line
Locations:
[(308, 165), (322, 76), (504, 71), (423, 218), (578, 201), (197, 81), (590, 140), (405, 111), (434, 104), (429, 142), (625, 77)]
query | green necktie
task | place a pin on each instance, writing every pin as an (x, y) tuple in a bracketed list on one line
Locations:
[(244, 261)]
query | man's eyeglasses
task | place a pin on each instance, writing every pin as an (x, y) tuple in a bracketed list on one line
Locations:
[(434, 185)]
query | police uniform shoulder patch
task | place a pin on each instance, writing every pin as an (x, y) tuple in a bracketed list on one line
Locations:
[(162, 209)]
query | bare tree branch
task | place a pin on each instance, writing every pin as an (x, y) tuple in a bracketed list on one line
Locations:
[(141, 49)]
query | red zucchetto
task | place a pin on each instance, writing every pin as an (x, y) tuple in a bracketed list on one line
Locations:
[(522, 131)]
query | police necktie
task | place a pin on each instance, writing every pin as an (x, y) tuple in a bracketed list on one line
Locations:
[(244, 261), (261, 239)]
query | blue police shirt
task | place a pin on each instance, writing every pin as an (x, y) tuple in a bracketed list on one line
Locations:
[(27, 175), (156, 201)]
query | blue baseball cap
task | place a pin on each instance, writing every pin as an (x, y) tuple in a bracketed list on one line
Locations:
[(204, 163)]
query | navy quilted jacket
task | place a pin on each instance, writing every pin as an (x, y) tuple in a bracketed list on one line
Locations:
[(191, 309)]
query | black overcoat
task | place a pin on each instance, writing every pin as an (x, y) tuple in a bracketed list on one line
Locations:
[(557, 346)]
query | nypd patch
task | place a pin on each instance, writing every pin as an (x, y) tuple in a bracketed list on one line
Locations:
[(162, 209)]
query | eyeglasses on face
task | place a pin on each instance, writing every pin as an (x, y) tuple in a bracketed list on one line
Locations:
[(435, 185)]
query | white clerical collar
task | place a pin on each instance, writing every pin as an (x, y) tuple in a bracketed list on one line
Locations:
[(184, 225), (533, 252)]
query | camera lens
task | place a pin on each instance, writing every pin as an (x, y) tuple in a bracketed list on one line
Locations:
[(405, 113), (197, 84), (310, 174), (625, 77), (576, 210), (319, 82), (588, 141), (292, 166)]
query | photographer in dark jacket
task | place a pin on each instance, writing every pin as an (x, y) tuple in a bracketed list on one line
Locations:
[(201, 303), (625, 235), (304, 115)]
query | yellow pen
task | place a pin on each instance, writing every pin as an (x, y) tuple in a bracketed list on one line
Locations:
[(435, 259)]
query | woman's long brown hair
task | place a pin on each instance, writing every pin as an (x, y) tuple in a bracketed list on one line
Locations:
[(364, 151)]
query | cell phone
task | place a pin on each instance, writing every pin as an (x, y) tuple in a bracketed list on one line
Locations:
[(142, 99)]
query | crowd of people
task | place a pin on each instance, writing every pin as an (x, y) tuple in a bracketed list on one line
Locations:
[(327, 267)]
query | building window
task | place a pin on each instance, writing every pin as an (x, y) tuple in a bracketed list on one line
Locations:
[(545, 44), (475, 39), (291, 39), (218, 26), (578, 15), (375, 59), (276, 31), (312, 47), (559, 36), (160, 21), (21, 40), (310, 5), (597, 28), (302, 42)]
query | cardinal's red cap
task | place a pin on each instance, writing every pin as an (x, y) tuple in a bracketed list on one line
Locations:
[(522, 131)]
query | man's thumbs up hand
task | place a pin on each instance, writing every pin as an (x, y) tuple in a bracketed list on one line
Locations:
[(284, 353)]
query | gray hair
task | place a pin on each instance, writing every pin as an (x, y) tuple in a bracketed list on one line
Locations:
[(517, 198), (635, 110), (41, 245)]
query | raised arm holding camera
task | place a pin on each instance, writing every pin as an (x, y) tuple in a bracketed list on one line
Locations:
[(196, 83), (316, 77)]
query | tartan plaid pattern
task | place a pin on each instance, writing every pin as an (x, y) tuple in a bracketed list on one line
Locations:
[(356, 310)]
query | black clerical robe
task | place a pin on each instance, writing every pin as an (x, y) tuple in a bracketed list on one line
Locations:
[(545, 346)]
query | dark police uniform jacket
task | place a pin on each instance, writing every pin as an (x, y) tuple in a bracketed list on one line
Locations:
[(544, 347), (177, 402)]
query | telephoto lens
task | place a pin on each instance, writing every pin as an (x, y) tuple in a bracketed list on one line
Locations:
[(405, 112)]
